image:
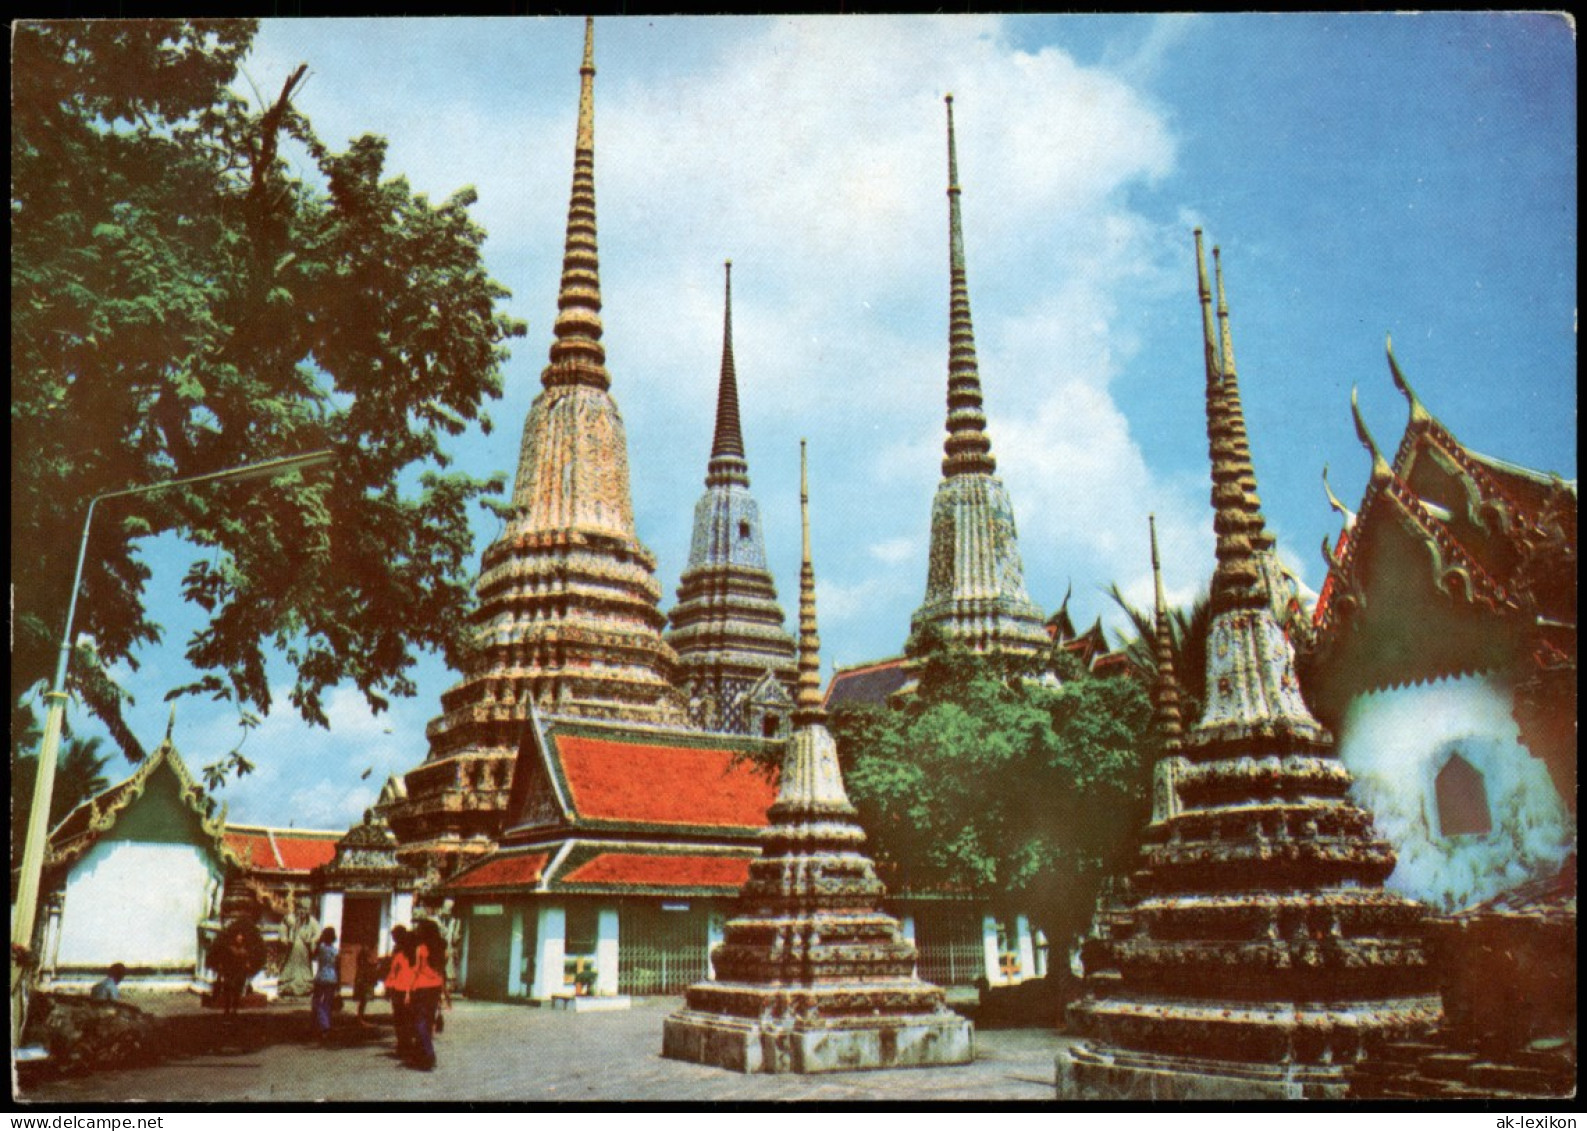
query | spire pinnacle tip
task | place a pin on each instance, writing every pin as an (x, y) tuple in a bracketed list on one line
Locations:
[(577, 356), (727, 464), (807, 700), (967, 448)]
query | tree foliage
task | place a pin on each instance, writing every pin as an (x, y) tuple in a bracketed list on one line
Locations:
[(991, 780), (198, 283), (79, 774)]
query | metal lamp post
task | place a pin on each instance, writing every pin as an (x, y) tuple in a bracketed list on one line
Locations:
[(25, 912)]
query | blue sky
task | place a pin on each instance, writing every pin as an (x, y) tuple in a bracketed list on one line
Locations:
[(1364, 174)]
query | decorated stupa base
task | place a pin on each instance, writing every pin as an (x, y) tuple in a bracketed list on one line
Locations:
[(1087, 1072), (793, 1036), (812, 976)]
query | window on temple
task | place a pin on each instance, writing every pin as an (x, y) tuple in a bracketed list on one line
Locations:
[(1462, 799), (582, 927), (743, 528), (768, 726)]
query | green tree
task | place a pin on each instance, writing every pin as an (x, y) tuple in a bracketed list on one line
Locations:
[(79, 775), (199, 283), (994, 781)]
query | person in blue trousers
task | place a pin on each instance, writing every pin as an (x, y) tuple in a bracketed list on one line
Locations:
[(326, 985)]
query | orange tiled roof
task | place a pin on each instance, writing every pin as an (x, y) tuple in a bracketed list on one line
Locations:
[(663, 784), (302, 853), (282, 850), (662, 871), (501, 871), (253, 849)]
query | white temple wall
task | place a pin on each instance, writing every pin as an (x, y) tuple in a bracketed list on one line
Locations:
[(136, 903), (550, 947), (1396, 741)]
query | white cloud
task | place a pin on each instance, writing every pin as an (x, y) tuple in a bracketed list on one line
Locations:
[(894, 550)]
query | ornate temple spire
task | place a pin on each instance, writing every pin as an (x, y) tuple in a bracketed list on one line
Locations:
[(577, 356), (1251, 681), (1206, 975), (1261, 537), (736, 660), (1165, 690), (975, 580), (967, 449), (727, 446), (568, 617), (813, 975), (807, 700), (1236, 511)]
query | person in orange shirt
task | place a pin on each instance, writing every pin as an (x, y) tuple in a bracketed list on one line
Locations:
[(399, 987), (429, 980)]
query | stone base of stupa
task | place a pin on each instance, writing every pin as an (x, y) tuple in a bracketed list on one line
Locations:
[(808, 1046), (1089, 1071)]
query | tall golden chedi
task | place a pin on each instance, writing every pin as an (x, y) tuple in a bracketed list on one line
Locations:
[(1254, 950), (813, 976), (568, 615), (975, 580), (735, 660)]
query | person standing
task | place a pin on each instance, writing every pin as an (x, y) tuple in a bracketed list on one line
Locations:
[(399, 984), (365, 975), (326, 984), (429, 979), (228, 958)]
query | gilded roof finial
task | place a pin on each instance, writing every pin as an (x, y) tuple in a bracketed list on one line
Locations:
[(170, 724), (577, 356), (1333, 501), (1236, 517), (1234, 411), (967, 449), (807, 700), (1165, 691), (1419, 413), (727, 447), (1381, 471)]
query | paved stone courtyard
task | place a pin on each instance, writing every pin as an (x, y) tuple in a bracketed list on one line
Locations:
[(497, 1053)]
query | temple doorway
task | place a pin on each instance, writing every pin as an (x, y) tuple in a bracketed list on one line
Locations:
[(361, 921), (489, 946)]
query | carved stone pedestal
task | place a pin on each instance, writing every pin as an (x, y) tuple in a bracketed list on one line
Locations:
[(808, 1046), (1085, 1072)]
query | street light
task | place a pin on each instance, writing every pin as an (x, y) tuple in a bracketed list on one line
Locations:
[(25, 912)]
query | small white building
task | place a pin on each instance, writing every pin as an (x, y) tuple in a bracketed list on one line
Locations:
[(1445, 661), (624, 854), (132, 874)]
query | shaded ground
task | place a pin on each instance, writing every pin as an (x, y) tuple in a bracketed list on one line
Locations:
[(498, 1053)]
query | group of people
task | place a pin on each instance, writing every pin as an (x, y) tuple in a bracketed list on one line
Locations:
[(415, 980)]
